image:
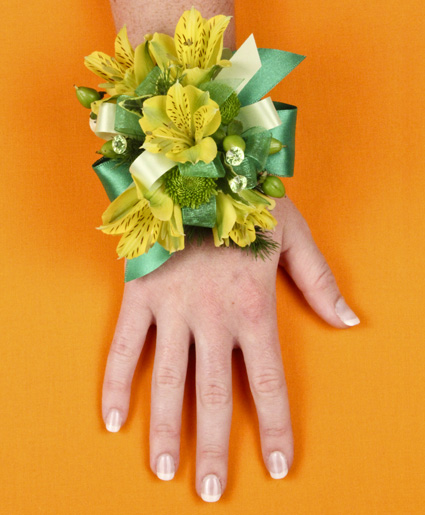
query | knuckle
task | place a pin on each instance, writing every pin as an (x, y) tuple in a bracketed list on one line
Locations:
[(123, 349), (212, 451), (168, 377), (214, 394), (324, 279), (165, 430), (277, 431), (269, 383), (116, 385)]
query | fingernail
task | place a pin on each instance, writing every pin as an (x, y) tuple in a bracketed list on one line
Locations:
[(278, 467), (113, 421), (165, 467), (211, 488), (345, 313)]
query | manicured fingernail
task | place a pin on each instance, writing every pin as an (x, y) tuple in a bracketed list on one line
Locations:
[(113, 421), (211, 488), (345, 313), (165, 467), (278, 467)]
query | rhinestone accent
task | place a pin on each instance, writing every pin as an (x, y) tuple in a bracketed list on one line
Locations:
[(119, 144), (238, 183), (235, 156)]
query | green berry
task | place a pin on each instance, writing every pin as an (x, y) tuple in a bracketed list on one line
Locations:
[(87, 95), (275, 146), (107, 151), (233, 141), (273, 187)]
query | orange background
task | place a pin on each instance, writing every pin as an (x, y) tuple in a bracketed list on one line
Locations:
[(356, 395)]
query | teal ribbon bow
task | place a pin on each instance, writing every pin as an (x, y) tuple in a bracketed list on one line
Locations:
[(115, 177)]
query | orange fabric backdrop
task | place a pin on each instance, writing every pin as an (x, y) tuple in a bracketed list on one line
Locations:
[(356, 395)]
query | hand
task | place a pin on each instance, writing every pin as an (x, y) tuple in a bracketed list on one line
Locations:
[(218, 298)]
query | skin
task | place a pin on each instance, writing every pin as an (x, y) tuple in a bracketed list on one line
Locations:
[(216, 299)]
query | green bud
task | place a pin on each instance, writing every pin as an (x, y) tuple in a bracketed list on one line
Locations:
[(273, 187), (275, 146), (235, 127), (219, 135), (233, 141), (107, 151), (87, 95)]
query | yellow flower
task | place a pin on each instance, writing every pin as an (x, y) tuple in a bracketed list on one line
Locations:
[(144, 218), (125, 71), (197, 45), (237, 219), (179, 124)]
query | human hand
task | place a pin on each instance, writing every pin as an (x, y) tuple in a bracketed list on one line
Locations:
[(217, 298)]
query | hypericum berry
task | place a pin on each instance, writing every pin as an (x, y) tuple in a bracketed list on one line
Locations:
[(273, 187), (107, 151), (275, 146), (87, 95), (233, 141), (188, 191), (230, 109)]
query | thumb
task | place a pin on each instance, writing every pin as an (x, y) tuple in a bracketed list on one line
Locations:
[(308, 268)]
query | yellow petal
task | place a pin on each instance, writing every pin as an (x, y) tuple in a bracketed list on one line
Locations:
[(163, 50), (141, 237), (195, 76), (190, 38), (154, 114), (160, 203), (178, 108), (226, 216), (143, 63), (124, 52), (119, 209), (104, 66), (216, 27), (243, 234), (207, 120), (205, 150)]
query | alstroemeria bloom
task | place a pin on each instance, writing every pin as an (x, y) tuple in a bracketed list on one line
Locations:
[(237, 219), (180, 124), (125, 71), (144, 218), (197, 46)]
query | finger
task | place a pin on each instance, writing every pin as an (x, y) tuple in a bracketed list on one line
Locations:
[(308, 268), (214, 412), (263, 362), (133, 323), (168, 379)]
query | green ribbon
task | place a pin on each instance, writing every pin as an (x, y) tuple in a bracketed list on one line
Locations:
[(126, 122), (282, 163), (275, 66), (116, 178)]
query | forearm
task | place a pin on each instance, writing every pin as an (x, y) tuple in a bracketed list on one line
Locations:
[(142, 17)]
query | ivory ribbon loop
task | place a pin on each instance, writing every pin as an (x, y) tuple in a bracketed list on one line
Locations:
[(150, 167), (261, 114), (105, 126)]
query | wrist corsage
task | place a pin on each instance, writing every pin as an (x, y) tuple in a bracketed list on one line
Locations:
[(190, 147)]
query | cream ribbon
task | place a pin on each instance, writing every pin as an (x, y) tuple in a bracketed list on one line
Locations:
[(105, 125), (261, 114), (148, 167)]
